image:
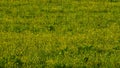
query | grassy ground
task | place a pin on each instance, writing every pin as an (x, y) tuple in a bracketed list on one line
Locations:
[(59, 34)]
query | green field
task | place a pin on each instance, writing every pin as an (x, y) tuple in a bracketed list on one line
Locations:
[(59, 33)]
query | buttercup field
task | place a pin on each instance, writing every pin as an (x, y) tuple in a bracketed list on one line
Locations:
[(59, 34)]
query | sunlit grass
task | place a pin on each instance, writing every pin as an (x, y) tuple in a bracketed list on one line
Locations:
[(60, 34)]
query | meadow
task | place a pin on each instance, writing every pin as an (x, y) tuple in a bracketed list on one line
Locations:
[(59, 34)]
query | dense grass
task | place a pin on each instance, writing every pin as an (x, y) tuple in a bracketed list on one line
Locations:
[(59, 34)]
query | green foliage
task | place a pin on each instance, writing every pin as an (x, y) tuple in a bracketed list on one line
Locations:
[(59, 34)]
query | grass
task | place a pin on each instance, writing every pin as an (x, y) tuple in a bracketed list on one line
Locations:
[(59, 34)]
